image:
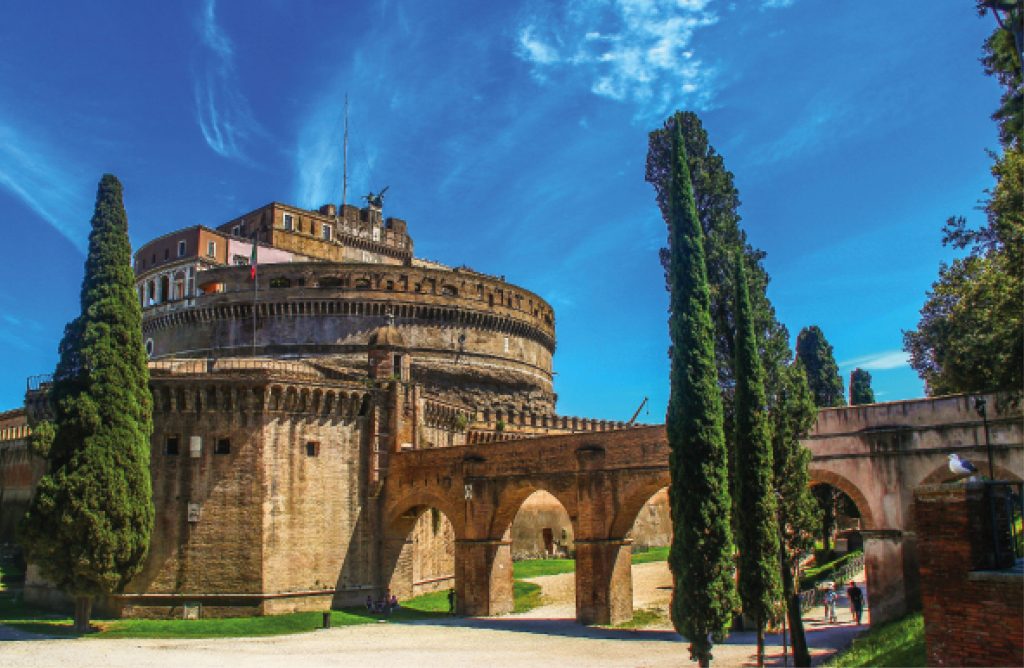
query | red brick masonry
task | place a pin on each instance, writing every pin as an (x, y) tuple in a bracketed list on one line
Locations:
[(971, 617)]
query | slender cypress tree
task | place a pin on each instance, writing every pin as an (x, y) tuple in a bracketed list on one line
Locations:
[(89, 524), (815, 352), (799, 514), (860, 388), (700, 558), (758, 535)]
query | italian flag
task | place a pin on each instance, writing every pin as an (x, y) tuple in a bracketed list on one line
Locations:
[(252, 260)]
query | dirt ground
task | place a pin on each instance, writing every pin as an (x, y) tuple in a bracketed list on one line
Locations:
[(546, 636)]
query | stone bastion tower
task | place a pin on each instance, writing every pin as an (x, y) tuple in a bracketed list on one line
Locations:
[(280, 390)]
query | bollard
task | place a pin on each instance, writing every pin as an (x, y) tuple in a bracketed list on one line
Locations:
[(327, 619)]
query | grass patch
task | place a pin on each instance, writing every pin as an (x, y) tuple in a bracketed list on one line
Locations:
[(651, 555), (825, 571), (900, 643), (533, 568), (527, 596), (643, 619)]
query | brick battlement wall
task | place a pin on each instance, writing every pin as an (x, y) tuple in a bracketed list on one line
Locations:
[(972, 616), (19, 471)]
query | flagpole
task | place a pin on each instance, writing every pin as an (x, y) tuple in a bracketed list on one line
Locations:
[(344, 164)]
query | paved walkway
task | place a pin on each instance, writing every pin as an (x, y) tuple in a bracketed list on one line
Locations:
[(530, 641)]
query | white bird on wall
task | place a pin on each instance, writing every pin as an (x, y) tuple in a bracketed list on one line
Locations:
[(961, 467)]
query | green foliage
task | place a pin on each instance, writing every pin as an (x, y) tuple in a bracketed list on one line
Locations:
[(815, 353), (89, 524), (969, 338), (41, 439), (799, 514), (971, 334), (825, 570), (860, 388), (700, 558), (758, 536), (899, 643), (1002, 59), (717, 201)]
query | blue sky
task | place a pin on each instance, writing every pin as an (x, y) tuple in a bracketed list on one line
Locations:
[(513, 137)]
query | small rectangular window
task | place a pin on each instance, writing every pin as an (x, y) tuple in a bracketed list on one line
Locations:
[(325, 232), (506, 344), (172, 445), (289, 222), (211, 249), (223, 447), (181, 249), (167, 254), (312, 449), (234, 230)]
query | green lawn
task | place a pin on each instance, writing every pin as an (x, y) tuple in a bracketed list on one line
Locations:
[(533, 568), (16, 614), (900, 643)]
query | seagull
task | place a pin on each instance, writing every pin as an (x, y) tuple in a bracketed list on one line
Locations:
[(961, 467)]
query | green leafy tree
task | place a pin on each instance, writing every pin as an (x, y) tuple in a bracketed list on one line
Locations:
[(758, 535), (799, 514), (860, 388), (700, 557), (815, 353), (89, 524), (1002, 58), (970, 337)]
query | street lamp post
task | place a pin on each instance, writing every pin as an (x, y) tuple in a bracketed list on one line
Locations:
[(980, 405)]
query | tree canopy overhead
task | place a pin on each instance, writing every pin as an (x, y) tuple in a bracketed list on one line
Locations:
[(89, 524)]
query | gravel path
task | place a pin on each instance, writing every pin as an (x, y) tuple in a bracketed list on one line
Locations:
[(547, 636)]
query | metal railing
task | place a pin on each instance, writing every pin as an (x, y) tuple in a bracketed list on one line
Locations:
[(34, 383)]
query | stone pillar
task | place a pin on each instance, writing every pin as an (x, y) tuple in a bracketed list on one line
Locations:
[(886, 576), (397, 556), (604, 580), (483, 577)]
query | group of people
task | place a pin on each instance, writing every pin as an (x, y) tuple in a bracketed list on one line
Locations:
[(853, 593), (383, 605)]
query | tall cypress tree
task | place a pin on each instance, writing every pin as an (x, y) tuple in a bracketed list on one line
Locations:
[(701, 554), (860, 388), (799, 514), (89, 524), (815, 353), (756, 507)]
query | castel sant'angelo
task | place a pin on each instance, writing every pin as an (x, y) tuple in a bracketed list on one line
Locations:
[(284, 376)]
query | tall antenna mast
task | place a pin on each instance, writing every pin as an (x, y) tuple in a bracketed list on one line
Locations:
[(344, 164)]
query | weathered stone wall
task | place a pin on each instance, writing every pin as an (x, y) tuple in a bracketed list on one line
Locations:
[(973, 615), (20, 471)]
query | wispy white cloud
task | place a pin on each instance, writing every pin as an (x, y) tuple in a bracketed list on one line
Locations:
[(889, 359), (637, 51), (38, 175), (224, 115), (776, 4)]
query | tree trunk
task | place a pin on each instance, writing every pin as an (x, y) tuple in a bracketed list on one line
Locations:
[(83, 610), (801, 657), (760, 642)]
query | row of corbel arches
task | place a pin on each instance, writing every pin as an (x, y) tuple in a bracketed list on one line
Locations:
[(342, 404)]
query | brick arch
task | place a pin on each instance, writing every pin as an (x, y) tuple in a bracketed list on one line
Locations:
[(633, 501), (843, 484), (423, 499), (512, 498)]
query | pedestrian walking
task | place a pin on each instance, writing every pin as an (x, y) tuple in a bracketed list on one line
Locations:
[(856, 597)]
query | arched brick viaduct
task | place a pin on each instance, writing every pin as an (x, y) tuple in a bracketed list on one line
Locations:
[(876, 454)]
